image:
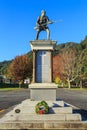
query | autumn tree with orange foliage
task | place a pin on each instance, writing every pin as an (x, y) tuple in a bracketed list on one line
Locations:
[(20, 68), (57, 67)]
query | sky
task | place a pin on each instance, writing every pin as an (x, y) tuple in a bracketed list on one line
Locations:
[(18, 19)]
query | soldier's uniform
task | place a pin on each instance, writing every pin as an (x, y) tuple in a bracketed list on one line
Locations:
[(42, 25), (42, 22)]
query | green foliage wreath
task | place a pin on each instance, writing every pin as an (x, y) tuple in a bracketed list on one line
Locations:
[(42, 108)]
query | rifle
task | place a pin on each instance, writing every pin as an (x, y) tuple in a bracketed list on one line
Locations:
[(49, 22)]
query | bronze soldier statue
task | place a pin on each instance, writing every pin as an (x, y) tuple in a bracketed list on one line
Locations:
[(41, 23)]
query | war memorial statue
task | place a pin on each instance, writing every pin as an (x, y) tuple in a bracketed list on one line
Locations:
[(41, 24)]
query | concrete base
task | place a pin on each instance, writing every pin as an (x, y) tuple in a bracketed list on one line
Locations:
[(43, 125), (43, 91), (61, 118)]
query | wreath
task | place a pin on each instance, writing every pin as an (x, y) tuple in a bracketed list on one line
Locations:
[(42, 108)]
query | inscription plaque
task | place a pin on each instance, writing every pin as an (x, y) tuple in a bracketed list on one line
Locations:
[(42, 66)]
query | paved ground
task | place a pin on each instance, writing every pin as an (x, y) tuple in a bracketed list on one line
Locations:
[(10, 98), (74, 97)]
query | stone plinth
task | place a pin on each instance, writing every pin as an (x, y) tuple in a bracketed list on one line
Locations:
[(43, 91), (42, 45), (42, 87), (42, 60)]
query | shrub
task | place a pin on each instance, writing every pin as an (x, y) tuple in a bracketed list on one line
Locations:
[(3, 85)]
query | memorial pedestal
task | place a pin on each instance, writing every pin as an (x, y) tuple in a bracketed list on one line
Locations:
[(43, 91), (42, 87)]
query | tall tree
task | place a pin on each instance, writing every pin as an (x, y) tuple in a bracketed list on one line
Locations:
[(69, 69), (82, 65), (20, 68)]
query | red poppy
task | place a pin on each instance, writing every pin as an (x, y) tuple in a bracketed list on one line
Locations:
[(41, 111)]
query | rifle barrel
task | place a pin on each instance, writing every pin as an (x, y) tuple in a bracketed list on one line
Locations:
[(50, 22)]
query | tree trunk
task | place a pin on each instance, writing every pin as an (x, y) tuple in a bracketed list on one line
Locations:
[(19, 85), (62, 85), (76, 84), (68, 83), (80, 83)]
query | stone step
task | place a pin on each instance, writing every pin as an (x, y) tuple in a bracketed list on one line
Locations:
[(40, 125), (52, 110), (55, 103), (28, 119), (45, 117), (64, 117), (60, 110), (28, 102)]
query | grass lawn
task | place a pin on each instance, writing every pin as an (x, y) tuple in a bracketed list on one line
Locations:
[(76, 88), (10, 89)]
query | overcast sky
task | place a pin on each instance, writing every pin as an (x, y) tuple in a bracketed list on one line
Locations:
[(18, 19)]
